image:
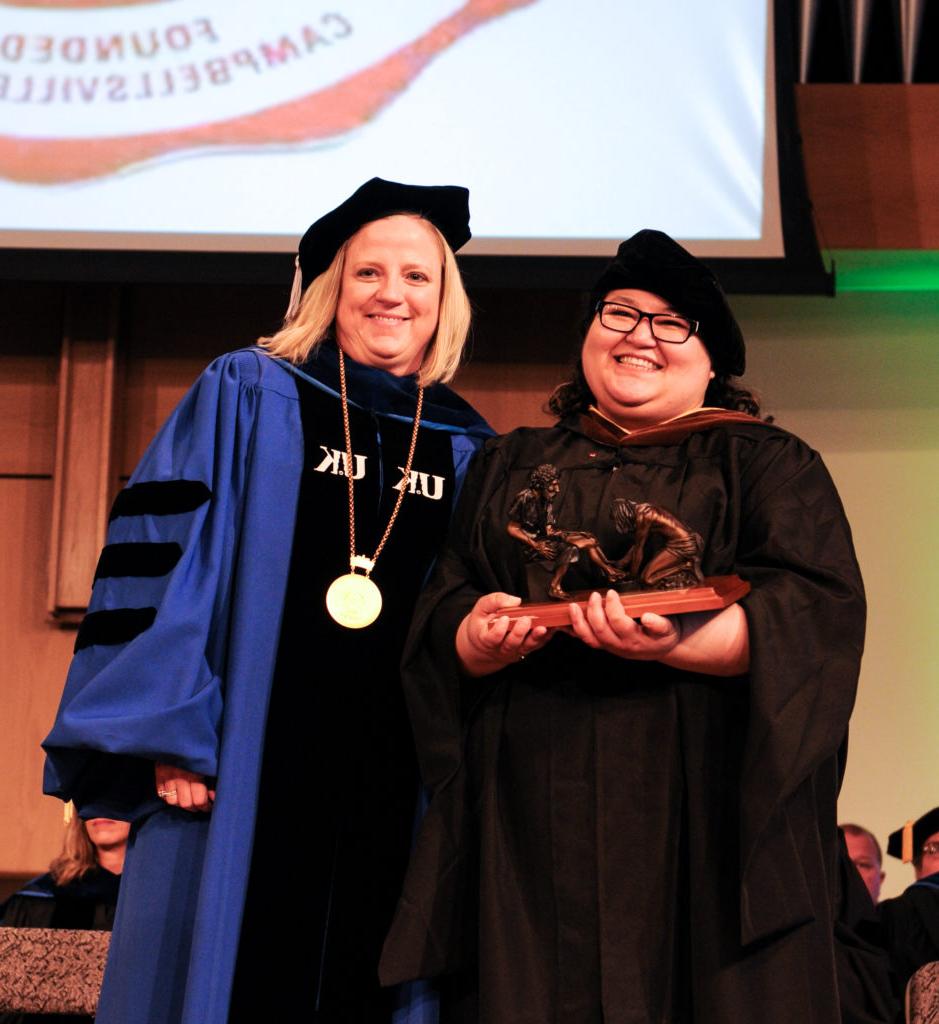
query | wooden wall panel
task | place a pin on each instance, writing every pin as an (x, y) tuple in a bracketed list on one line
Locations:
[(35, 659), (872, 164), (170, 334), (28, 398), (82, 480), (30, 335), (152, 387), (509, 394)]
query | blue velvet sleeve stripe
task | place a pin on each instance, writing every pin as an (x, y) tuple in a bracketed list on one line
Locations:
[(113, 626), (160, 498), (138, 559)]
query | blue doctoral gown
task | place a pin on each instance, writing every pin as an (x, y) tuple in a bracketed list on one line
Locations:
[(175, 658)]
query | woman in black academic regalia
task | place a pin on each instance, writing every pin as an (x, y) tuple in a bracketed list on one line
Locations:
[(634, 820)]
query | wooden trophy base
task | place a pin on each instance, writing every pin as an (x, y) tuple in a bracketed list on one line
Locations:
[(714, 593)]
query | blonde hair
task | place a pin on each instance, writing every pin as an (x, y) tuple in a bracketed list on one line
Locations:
[(313, 323), (78, 855)]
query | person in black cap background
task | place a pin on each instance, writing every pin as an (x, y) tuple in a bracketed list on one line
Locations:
[(635, 820), (911, 920), (235, 689)]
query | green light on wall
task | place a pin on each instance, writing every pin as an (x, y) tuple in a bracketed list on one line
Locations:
[(885, 270)]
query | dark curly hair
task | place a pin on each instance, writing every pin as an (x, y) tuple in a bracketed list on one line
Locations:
[(723, 391), (541, 476)]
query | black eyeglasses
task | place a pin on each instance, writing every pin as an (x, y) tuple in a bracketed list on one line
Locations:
[(668, 327), (931, 848)]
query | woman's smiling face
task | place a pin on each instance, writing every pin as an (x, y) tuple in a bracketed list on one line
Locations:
[(637, 380), (389, 302)]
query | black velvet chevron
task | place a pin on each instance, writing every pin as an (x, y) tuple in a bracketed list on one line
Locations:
[(138, 559), (113, 626), (160, 498)]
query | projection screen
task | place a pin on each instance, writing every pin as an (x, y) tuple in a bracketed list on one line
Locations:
[(226, 125)]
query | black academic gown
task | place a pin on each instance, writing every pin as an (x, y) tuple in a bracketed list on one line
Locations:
[(339, 782), (620, 841), (88, 902), (911, 924)]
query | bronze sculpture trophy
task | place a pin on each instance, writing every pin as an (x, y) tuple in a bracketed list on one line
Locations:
[(659, 572)]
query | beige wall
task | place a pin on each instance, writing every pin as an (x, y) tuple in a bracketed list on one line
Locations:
[(857, 377)]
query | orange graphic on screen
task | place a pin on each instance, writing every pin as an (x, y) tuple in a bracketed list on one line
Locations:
[(320, 115)]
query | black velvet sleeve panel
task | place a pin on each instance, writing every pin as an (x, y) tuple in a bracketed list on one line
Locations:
[(113, 626), (160, 498), (138, 558)]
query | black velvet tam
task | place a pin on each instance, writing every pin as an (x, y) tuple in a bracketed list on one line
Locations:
[(445, 206), (654, 262), (923, 828)]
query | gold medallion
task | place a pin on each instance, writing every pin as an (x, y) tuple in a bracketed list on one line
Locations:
[(353, 601)]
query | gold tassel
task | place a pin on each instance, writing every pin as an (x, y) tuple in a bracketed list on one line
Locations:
[(296, 293), (68, 812), (907, 852)]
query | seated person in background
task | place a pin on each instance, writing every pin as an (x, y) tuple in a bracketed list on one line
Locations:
[(911, 920), (867, 988), (865, 854), (80, 888), (79, 891)]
